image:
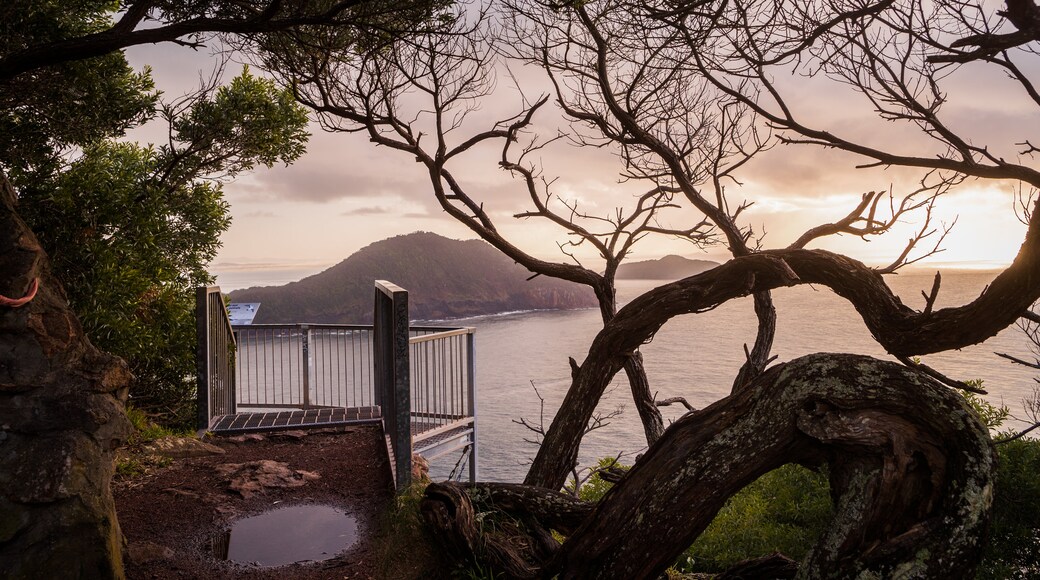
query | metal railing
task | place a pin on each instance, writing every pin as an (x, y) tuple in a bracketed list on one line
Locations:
[(441, 378), (311, 366), (304, 366), (215, 356), (420, 378)]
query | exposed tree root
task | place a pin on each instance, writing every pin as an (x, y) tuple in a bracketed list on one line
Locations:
[(911, 476)]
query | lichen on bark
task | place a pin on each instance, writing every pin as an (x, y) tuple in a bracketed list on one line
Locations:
[(911, 473)]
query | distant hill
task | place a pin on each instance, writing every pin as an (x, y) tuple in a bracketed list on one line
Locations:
[(444, 278), (667, 268)]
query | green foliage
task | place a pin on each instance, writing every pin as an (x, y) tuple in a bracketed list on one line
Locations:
[(245, 123), (129, 251), (46, 112), (990, 415), (596, 487), (1013, 550), (133, 460), (1014, 546), (406, 549), (785, 510), (131, 229)]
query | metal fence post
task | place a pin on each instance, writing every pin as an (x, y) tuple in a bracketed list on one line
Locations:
[(202, 357), (471, 387), (392, 374), (306, 338)]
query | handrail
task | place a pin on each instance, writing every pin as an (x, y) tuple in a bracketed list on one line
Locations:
[(421, 378), (215, 290), (442, 334), (289, 325), (388, 288), (216, 348), (429, 329)]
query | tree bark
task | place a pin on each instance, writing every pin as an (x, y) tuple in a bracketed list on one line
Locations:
[(758, 358), (649, 413), (639, 385), (911, 472), (517, 545), (61, 418), (899, 329)]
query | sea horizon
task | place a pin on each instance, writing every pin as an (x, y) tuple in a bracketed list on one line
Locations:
[(233, 276)]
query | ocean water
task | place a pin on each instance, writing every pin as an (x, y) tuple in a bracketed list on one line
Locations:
[(694, 356)]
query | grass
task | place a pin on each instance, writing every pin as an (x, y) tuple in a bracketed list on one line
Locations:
[(783, 511), (133, 460), (406, 550)]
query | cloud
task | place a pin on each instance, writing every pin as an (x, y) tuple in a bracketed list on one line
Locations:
[(231, 266), (380, 210), (366, 211), (326, 176), (346, 192)]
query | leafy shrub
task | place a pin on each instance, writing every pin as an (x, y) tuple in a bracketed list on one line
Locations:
[(990, 415), (1013, 551), (596, 487), (785, 510)]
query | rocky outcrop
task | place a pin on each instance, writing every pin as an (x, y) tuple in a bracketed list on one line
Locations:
[(61, 418)]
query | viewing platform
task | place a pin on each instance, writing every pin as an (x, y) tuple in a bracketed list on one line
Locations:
[(416, 382)]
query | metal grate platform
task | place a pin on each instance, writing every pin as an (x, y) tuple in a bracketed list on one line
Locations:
[(275, 420), (433, 444)]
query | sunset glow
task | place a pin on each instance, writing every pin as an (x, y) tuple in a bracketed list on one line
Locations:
[(346, 193)]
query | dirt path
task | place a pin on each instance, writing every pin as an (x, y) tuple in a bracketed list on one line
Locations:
[(171, 517)]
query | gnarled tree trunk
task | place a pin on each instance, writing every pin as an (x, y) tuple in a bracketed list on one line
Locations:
[(899, 329), (61, 418), (911, 475), (639, 385)]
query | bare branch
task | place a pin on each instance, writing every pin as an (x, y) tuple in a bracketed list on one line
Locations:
[(673, 400), (929, 299), (1016, 360), (940, 376)]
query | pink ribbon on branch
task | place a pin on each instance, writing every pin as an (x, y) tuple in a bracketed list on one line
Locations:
[(16, 302)]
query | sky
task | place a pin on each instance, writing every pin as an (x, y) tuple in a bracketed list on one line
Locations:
[(345, 193)]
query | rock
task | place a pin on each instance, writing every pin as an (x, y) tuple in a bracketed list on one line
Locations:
[(144, 552), (182, 447), (63, 416), (182, 492), (13, 518), (254, 477), (246, 438), (420, 469), (294, 434)]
